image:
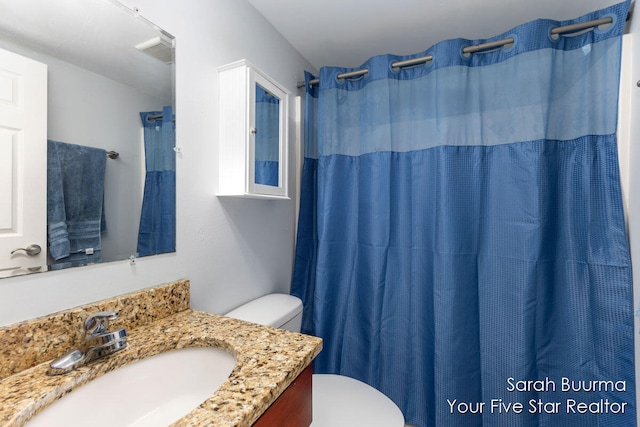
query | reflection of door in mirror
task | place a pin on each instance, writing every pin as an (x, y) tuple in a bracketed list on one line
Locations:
[(23, 131), (267, 137)]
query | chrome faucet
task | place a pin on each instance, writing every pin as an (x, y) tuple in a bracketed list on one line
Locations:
[(97, 342)]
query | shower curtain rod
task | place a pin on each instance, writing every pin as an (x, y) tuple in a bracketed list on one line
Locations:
[(473, 49), (156, 117)]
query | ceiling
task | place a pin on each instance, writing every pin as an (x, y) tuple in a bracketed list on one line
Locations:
[(326, 32), (347, 32), (96, 35)]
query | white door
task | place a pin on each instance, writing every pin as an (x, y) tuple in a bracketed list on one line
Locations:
[(23, 164)]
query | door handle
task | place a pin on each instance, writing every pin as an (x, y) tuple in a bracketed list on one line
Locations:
[(31, 250)]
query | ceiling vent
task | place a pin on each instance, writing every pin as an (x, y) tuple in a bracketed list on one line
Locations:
[(159, 48)]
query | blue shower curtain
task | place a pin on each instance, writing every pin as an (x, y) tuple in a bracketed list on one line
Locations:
[(461, 242), (157, 233)]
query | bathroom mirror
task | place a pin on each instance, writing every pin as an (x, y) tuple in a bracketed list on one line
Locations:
[(108, 69), (267, 138)]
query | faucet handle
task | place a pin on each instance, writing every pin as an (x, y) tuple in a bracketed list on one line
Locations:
[(98, 323)]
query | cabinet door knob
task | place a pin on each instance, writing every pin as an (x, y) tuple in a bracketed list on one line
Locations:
[(31, 250)]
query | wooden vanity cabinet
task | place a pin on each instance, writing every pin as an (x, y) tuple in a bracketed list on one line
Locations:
[(293, 407)]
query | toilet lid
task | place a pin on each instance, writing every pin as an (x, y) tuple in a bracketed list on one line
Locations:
[(340, 401)]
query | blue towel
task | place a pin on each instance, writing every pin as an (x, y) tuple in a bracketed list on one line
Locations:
[(75, 194)]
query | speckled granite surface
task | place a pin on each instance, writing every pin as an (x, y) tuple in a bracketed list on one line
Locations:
[(268, 360), (28, 343)]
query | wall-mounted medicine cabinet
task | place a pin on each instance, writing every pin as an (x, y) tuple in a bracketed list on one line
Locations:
[(253, 134)]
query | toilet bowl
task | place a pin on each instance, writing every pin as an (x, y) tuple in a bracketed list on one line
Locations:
[(338, 401)]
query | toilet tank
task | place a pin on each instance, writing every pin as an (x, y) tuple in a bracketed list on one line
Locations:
[(277, 310)]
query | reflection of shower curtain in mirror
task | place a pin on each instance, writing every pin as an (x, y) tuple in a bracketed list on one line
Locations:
[(158, 221), (267, 138)]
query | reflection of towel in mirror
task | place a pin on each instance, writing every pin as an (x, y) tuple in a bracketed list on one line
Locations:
[(75, 193)]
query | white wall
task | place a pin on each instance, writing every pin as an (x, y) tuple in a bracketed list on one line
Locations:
[(628, 155), (631, 151), (231, 250)]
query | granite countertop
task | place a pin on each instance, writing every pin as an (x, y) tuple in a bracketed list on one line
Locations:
[(268, 360)]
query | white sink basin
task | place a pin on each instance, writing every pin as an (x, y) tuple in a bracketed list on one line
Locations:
[(155, 391)]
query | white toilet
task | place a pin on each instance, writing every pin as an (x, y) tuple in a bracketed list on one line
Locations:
[(338, 401)]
